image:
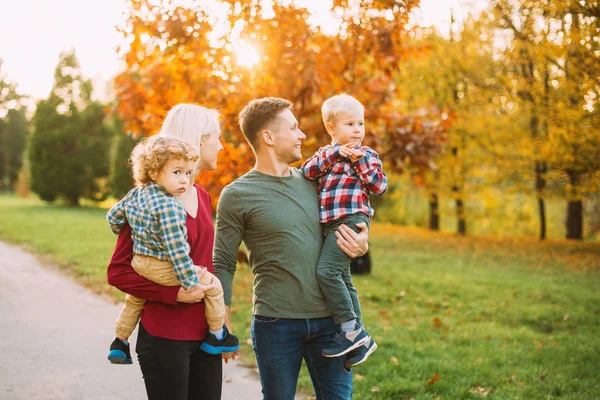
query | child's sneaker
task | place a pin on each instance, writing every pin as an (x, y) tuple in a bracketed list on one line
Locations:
[(119, 352), (227, 344), (361, 354), (345, 342)]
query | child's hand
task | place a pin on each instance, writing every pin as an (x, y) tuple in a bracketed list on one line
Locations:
[(357, 155), (347, 150)]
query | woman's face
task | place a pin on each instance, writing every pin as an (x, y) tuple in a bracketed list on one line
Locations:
[(210, 148)]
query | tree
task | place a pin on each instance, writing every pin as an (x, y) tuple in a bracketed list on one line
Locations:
[(13, 136), (171, 60), (13, 131), (554, 48), (68, 150), (120, 179)]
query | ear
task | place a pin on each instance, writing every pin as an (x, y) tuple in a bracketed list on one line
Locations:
[(153, 175), (267, 137), (330, 129)]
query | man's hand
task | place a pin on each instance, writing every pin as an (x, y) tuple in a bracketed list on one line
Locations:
[(195, 294), (227, 356), (352, 243)]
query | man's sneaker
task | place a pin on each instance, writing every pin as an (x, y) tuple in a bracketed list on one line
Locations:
[(119, 352), (344, 342), (228, 344), (361, 354)]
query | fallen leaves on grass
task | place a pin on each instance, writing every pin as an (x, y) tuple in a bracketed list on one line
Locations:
[(394, 360), (375, 389), (481, 391), (434, 379)]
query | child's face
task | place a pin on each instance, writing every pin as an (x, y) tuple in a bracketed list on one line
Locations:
[(348, 128), (175, 176)]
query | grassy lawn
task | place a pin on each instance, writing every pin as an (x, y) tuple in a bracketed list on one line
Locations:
[(454, 318)]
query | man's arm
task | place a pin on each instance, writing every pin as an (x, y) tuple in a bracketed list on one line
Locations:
[(371, 173), (324, 158), (229, 235)]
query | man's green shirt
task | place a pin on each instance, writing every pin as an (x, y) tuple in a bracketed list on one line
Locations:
[(277, 218)]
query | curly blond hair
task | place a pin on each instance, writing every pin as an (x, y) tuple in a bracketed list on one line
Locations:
[(150, 155)]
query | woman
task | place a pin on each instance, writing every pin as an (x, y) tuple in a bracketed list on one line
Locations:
[(173, 321)]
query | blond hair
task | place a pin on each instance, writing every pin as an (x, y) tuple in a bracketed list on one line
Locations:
[(340, 105), (261, 114), (189, 122), (150, 155)]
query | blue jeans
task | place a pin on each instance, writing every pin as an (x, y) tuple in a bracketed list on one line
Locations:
[(280, 344)]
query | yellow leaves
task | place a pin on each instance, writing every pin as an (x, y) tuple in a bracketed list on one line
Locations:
[(393, 360)]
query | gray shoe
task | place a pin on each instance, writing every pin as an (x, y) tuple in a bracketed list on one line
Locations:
[(344, 342), (361, 354)]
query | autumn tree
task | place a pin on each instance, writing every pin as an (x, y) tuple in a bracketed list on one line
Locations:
[(172, 58), (552, 60)]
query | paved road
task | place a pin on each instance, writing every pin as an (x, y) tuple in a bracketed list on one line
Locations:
[(54, 335)]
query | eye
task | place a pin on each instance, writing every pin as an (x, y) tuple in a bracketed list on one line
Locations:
[(176, 172)]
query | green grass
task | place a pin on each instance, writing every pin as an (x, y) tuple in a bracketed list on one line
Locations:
[(454, 318)]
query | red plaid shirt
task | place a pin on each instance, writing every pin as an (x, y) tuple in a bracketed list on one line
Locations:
[(344, 186)]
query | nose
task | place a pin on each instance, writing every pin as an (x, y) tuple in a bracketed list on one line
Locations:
[(302, 136)]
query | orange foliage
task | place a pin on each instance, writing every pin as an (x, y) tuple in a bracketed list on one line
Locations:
[(170, 60)]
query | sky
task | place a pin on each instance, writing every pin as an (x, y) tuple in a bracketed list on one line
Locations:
[(34, 32)]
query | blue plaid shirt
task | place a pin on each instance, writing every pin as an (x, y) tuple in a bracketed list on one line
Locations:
[(158, 230)]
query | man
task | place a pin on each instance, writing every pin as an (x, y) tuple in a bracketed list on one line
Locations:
[(275, 211)]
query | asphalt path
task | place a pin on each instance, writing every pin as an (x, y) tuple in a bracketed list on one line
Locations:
[(54, 336)]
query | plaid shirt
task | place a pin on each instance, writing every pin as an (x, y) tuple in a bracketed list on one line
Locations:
[(344, 186), (158, 230)]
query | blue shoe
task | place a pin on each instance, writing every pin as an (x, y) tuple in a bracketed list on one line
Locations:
[(345, 342), (228, 344), (119, 352), (361, 354)]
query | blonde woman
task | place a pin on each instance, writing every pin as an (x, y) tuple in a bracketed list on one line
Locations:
[(173, 322)]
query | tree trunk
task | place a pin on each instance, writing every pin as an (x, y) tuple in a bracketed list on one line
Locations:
[(461, 227), (540, 185), (74, 201), (434, 212), (574, 209)]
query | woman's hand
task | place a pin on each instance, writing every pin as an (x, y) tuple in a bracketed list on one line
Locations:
[(193, 295), (352, 243)]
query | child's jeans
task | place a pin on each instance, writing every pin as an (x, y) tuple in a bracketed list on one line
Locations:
[(161, 272), (333, 271)]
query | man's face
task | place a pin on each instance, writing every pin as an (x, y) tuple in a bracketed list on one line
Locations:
[(288, 138)]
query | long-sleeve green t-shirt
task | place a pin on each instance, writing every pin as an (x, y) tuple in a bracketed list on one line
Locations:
[(277, 218)]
